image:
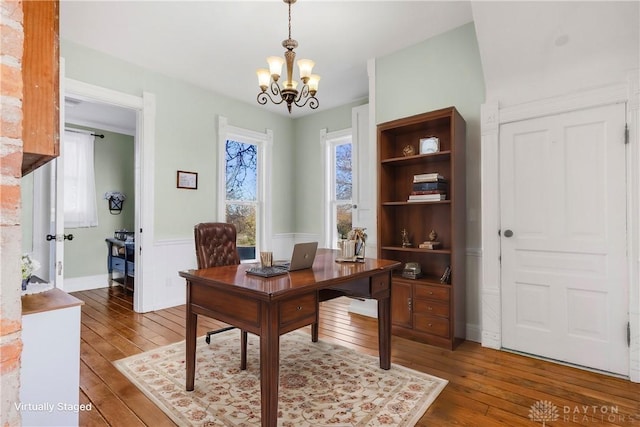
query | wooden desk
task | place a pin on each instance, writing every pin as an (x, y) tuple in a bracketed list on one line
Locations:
[(274, 306)]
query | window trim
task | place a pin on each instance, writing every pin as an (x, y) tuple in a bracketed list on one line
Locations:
[(264, 142), (328, 140)]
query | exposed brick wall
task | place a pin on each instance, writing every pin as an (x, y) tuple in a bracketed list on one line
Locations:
[(11, 44)]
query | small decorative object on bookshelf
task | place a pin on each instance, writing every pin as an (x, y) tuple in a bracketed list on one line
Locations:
[(405, 238), (429, 145), (408, 150), (412, 270), (431, 243), (446, 276), (424, 193)]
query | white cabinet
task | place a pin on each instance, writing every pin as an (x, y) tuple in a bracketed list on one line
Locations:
[(50, 368)]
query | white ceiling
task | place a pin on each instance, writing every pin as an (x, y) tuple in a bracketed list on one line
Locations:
[(218, 45)]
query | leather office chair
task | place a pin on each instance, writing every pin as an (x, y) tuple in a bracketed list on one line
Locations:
[(216, 246)]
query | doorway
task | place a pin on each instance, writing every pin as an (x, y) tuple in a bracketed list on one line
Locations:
[(144, 108)]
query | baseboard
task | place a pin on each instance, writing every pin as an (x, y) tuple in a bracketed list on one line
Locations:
[(366, 307), (474, 333), (85, 283)]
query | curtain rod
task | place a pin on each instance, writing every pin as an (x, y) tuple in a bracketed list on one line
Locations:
[(84, 131)]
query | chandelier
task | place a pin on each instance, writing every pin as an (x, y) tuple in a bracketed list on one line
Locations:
[(268, 79)]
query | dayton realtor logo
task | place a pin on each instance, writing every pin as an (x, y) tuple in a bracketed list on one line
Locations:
[(544, 411)]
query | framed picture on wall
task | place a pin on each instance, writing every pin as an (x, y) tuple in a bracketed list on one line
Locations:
[(188, 180)]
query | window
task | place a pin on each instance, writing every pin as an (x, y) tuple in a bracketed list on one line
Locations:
[(243, 201), (80, 206), (339, 185), (241, 187)]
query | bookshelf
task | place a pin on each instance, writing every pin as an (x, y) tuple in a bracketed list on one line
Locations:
[(425, 309)]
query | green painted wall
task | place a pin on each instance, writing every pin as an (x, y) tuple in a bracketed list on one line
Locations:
[(186, 139), (309, 189), (440, 72)]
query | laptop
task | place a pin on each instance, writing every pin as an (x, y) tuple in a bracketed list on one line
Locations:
[(303, 256)]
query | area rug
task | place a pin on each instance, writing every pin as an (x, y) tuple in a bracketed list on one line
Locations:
[(321, 384)]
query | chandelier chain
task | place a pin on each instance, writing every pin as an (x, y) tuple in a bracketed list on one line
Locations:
[(289, 20)]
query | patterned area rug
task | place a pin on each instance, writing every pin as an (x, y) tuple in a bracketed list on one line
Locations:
[(321, 384)]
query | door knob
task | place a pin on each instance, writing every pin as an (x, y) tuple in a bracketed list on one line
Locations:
[(59, 238), (508, 233)]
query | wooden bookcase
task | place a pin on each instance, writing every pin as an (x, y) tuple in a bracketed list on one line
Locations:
[(424, 309)]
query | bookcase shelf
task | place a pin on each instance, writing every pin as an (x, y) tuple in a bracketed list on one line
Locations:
[(416, 159), (404, 203), (424, 309), (417, 250)]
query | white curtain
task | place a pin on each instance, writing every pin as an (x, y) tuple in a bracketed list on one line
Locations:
[(80, 205)]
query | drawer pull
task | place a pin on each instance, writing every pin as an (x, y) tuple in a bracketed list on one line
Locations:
[(431, 325), (299, 308), (430, 292)]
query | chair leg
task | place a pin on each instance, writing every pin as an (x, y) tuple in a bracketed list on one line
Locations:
[(243, 350), (217, 331)]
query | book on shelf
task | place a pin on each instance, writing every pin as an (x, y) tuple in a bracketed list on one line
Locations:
[(420, 192), (428, 177), (427, 197), (426, 186), (429, 245)]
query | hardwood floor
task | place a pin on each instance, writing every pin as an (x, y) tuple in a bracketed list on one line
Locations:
[(486, 387)]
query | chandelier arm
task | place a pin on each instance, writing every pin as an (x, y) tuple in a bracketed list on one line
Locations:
[(275, 89), (264, 97), (304, 92), (311, 100)]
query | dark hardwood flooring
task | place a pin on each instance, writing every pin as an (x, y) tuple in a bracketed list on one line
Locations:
[(486, 387)]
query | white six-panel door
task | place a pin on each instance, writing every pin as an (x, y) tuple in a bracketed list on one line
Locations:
[(563, 237)]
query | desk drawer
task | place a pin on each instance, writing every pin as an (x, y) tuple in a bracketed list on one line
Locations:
[(226, 306), (117, 264), (299, 311), (431, 325), (432, 307), (380, 285), (432, 292)]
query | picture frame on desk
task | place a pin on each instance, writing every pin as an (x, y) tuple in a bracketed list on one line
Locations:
[(187, 180)]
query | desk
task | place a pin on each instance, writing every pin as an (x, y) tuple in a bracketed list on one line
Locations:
[(270, 307), (121, 258)]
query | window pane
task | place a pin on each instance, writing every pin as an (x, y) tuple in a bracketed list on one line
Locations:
[(343, 172), (241, 171), (343, 220), (243, 216)]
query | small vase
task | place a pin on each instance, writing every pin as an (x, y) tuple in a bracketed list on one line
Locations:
[(25, 282)]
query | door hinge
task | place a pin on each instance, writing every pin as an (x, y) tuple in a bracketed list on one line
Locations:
[(626, 133), (628, 334)]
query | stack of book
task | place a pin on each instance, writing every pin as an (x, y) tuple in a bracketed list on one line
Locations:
[(429, 244), (428, 187)]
